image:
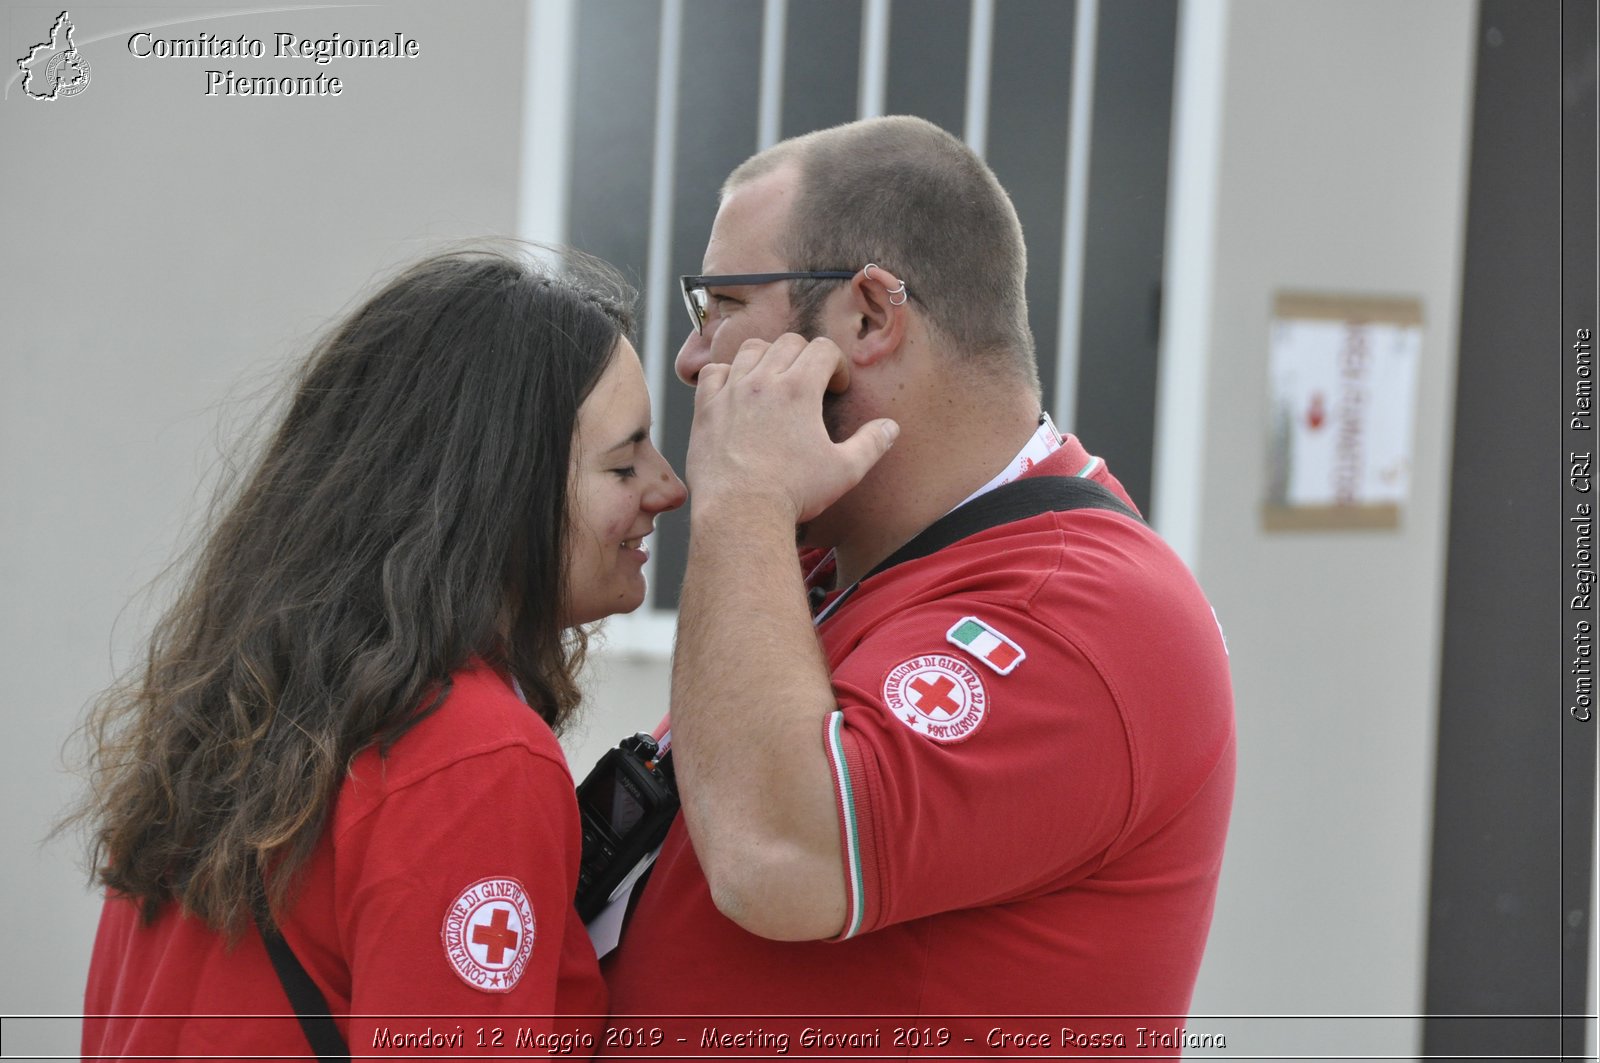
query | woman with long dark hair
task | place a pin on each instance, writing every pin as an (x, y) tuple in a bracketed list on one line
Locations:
[(344, 729)]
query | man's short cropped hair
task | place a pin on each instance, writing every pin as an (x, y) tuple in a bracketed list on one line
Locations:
[(903, 193)]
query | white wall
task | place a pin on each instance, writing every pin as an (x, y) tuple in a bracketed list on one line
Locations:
[(166, 256), (1334, 162)]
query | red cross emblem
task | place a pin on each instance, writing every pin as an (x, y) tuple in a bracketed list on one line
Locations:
[(930, 695), (497, 935), (937, 696), (488, 934)]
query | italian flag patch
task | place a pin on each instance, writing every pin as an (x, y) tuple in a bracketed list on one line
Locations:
[(986, 644)]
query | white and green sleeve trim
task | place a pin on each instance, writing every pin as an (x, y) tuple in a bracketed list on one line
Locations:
[(849, 829)]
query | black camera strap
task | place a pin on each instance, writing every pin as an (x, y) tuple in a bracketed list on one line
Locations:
[(1006, 504), (1017, 500), (310, 1007)]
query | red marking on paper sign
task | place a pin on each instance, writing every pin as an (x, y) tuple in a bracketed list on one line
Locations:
[(1317, 415)]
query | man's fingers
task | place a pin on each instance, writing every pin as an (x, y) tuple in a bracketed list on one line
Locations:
[(712, 379), (750, 354), (869, 444), (823, 356), (855, 456), (785, 351), (767, 358)]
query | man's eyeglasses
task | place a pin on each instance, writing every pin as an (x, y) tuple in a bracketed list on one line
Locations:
[(694, 288)]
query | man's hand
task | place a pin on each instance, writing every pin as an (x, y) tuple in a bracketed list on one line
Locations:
[(758, 429)]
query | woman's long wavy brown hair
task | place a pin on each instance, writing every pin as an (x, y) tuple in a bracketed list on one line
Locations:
[(408, 515)]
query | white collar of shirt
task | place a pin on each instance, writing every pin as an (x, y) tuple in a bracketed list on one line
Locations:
[(1043, 443)]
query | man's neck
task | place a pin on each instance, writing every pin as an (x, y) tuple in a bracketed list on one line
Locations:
[(915, 485)]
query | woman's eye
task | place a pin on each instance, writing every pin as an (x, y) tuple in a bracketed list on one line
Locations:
[(627, 472)]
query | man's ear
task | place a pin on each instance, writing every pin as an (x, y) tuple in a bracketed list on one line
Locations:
[(881, 314)]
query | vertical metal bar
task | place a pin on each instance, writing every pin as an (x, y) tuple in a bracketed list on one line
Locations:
[(1183, 360), (1079, 131), (546, 121), (658, 279), (980, 54), (874, 58), (774, 17)]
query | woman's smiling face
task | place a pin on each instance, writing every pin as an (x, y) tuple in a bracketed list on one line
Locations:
[(618, 483)]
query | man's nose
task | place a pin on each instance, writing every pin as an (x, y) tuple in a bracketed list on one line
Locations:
[(692, 357)]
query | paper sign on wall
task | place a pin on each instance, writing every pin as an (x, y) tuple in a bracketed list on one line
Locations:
[(1343, 393)]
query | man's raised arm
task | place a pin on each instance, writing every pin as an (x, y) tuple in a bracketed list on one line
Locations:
[(750, 687)]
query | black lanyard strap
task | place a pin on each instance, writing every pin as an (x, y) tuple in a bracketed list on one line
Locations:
[(309, 1005), (1006, 504)]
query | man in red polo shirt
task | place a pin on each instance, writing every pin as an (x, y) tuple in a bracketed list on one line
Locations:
[(991, 781)]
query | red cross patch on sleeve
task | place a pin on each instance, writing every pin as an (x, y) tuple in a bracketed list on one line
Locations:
[(488, 934), (938, 696)]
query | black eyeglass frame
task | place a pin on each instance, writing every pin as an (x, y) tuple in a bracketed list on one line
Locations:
[(692, 284)]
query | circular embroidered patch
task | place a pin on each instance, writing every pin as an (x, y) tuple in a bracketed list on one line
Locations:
[(488, 934), (937, 696)]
